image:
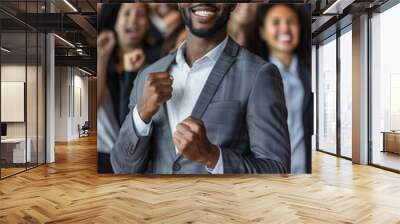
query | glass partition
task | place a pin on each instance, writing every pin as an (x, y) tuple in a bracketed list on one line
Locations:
[(14, 145), (31, 98), (22, 77), (346, 93), (385, 89), (327, 96)]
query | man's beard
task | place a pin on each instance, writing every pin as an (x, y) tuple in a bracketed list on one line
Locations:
[(219, 24)]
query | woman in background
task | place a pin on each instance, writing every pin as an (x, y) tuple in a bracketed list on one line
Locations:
[(286, 42), (131, 52)]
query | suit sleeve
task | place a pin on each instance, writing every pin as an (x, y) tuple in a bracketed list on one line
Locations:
[(267, 128), (131, 150)]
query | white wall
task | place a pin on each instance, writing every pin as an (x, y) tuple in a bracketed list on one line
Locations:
[(71, 93), (17, 73), (61, 103), (14, 73)]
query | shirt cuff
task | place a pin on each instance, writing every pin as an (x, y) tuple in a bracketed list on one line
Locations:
[(142, 129), (219, 167)]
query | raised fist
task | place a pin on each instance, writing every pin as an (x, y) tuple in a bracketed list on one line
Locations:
[(105, 45), (191, 140), (134, 60), (157, 90)]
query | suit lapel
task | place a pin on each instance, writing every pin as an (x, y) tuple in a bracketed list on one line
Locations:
[(163, 109), (216, 76), (214, 80), (164, 67), (211, 86)]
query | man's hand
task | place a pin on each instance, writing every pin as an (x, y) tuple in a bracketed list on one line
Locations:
[(157, 90), (191, 140), (134, 60)]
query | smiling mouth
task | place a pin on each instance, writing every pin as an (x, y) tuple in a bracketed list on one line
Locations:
[(131, 30), (285, 38), (204, 13), (204, 10)]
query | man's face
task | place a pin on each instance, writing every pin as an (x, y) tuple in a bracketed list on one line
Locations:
[(205, 19)]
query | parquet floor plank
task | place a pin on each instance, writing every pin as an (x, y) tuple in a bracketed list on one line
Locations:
[(70, 191)]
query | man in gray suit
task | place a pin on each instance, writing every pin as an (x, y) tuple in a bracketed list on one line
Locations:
[(210, 107)]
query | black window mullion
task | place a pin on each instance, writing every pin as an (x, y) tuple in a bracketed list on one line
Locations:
[(317, 95), (338, 98), (369, 100)]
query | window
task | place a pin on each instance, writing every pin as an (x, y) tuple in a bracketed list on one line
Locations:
[(327, 96), (22, 101), (385, 89), (346, 93), (314, 90)]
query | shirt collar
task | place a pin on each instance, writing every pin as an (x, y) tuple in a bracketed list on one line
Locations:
[(292, 68), (212, 54)]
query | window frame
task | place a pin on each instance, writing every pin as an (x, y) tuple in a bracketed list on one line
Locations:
[(381, 9), (333, 37)]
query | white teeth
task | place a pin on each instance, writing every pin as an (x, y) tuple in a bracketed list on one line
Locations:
[(284, 38), (203, 13), (131, 30)]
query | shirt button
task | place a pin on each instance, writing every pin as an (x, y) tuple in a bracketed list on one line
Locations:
[(176, 167)]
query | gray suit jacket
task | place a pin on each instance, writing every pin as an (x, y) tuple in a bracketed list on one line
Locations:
[(243, 109)]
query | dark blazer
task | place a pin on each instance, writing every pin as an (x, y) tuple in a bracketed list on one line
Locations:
[(308, 114), (243, 109)]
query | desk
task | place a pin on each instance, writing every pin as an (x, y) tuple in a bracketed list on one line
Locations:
[(391, 141), (13, 150)]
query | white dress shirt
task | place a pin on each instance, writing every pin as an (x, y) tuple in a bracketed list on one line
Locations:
[(187, 86), (294, 96)]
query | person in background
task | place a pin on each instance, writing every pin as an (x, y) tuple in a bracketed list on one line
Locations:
[(241, 23), (174, 40), (283, 32), (118, 69), (166, 17)]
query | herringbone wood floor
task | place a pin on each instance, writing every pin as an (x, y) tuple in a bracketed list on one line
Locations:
[(70, 191)]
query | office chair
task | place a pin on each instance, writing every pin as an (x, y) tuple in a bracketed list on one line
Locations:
[(84, 130)]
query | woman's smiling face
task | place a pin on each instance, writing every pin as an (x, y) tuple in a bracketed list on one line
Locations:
[(281, 29), (132, 24)]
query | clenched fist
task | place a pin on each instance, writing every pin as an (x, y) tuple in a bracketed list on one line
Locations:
[(134, 60), (191, 141), (105, 46), (157, 90)]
